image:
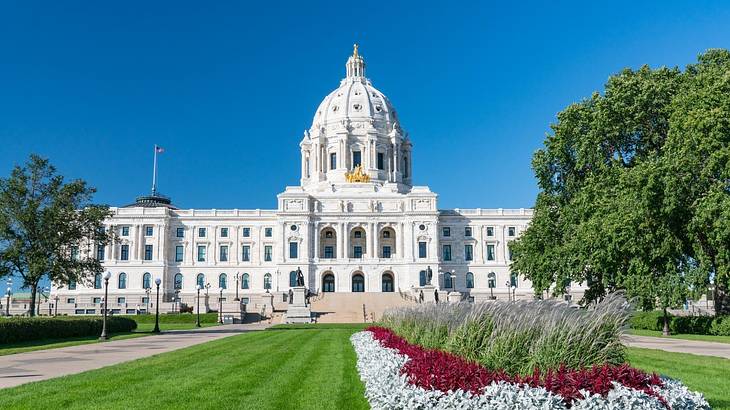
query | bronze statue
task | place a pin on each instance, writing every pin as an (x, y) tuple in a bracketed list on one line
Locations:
[(300, 277), (429, 275)]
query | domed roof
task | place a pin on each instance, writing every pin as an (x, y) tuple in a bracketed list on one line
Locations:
[(355, 100)]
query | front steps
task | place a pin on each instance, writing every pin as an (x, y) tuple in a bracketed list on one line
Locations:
[(348, 307)]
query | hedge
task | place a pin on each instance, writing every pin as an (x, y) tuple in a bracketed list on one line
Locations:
[(24, 329), (698, 325), (174, 318)]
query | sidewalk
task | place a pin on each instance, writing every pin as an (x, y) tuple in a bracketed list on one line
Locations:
[(21, 368), (679, 345)]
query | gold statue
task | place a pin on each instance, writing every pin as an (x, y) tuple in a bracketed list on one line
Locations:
[(357, 175), (354, 52)]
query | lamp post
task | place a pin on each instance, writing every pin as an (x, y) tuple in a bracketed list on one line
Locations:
[(278, 279), (9, 293), (56, 307), (157, 307), (514, 290), (107, 275), (238, 277), (492, 283), (508, 290), (220, 307), (199, 287), (147, 290)]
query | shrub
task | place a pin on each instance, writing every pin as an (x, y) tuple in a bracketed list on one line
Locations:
[(698, 325), (24, 329), (720, 326), (518, 337), (651, 320)]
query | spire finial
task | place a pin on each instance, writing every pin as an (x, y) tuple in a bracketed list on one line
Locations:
[(354, 50)]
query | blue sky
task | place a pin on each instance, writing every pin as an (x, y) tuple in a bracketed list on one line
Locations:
[(227, 88)]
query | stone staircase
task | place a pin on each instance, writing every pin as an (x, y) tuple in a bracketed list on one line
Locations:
[(348, 307)]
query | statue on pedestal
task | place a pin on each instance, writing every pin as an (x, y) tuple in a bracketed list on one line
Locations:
[(300, 277), (429, 275)]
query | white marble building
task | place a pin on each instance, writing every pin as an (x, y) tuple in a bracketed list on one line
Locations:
[(354, 224)]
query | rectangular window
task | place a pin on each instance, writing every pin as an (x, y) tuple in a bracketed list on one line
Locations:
[(447, 252), (246, 253), (246, 232), (381, 161), (267, 253), (148, 252), (333, 161), (490, 252), (446, 231), (268, 232), (80, 311), (244, 301), (89, 311), (201, 253), (125, 231), (422, 250), (490, 231), (224, 232), (100, 252), (511, 231), (75, 253), (356, 158), (357, 251), (148, 231), (121, 300), (329, 252), (70, 300), (509, 254), (467, 231), (201, 232), (179, 253), (223, 253), (468, 252), (97, 300), (180, 233), (293, 250), (386, 251), (145, 299), (125, 253)]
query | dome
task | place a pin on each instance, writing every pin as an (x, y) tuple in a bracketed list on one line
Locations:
[(355, 100)]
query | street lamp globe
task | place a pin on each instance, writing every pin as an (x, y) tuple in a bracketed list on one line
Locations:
[(107, 275), (158, 281)]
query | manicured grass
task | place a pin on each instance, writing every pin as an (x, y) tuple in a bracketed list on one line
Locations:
[(312, 368), (706, 374), (299, 326), (143, 329), (658, 333)]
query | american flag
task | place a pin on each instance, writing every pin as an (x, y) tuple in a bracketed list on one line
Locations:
[(159, 149)]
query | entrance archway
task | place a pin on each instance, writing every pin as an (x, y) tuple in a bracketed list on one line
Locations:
[(358, 282), (328, 282)]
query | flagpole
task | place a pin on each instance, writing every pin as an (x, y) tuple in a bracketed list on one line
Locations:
[(154, 172)]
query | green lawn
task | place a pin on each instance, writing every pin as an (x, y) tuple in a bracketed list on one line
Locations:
[(707, 374), (143, 329), (284, 368), (658, 333)]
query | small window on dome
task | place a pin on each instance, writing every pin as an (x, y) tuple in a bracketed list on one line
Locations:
[(357, 107), (335, 108), (374, 95), (378, 108), (357, 92)]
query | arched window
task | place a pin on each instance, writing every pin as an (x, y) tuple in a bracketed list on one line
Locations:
[(122, 283), (97, 281), (223, 281), (422, 278), (267, 281), (292, 278), (200, 280), (244, 281), (469, 280), (387, 285), (492, 279), (147, 281), (448, 280), (358, 283), (513, 279), (328, 283), (178, 281), (72, 285)]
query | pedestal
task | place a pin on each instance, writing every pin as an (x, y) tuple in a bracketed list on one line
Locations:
[(429, 293), (454, 297), (298, 311)]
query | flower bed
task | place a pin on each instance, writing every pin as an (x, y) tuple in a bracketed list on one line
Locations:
[(398, 374)]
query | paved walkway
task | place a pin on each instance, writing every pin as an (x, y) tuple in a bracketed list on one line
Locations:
[(21, 368), (679, 345)]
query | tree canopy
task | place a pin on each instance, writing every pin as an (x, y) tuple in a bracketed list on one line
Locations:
[(635, 189), (48, 228)]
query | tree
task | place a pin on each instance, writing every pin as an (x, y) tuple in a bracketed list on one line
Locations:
[(48, 228), (634, 189)]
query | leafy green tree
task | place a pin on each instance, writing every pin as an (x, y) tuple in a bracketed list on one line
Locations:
[(634, 189), (48, 228)]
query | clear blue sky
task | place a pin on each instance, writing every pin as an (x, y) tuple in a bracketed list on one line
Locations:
[(227, 88)]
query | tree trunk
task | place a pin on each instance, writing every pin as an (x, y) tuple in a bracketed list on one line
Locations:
[(721, 299), (33, 295), (665, 329)]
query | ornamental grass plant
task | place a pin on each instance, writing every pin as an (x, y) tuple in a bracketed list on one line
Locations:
[(518, 337)]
